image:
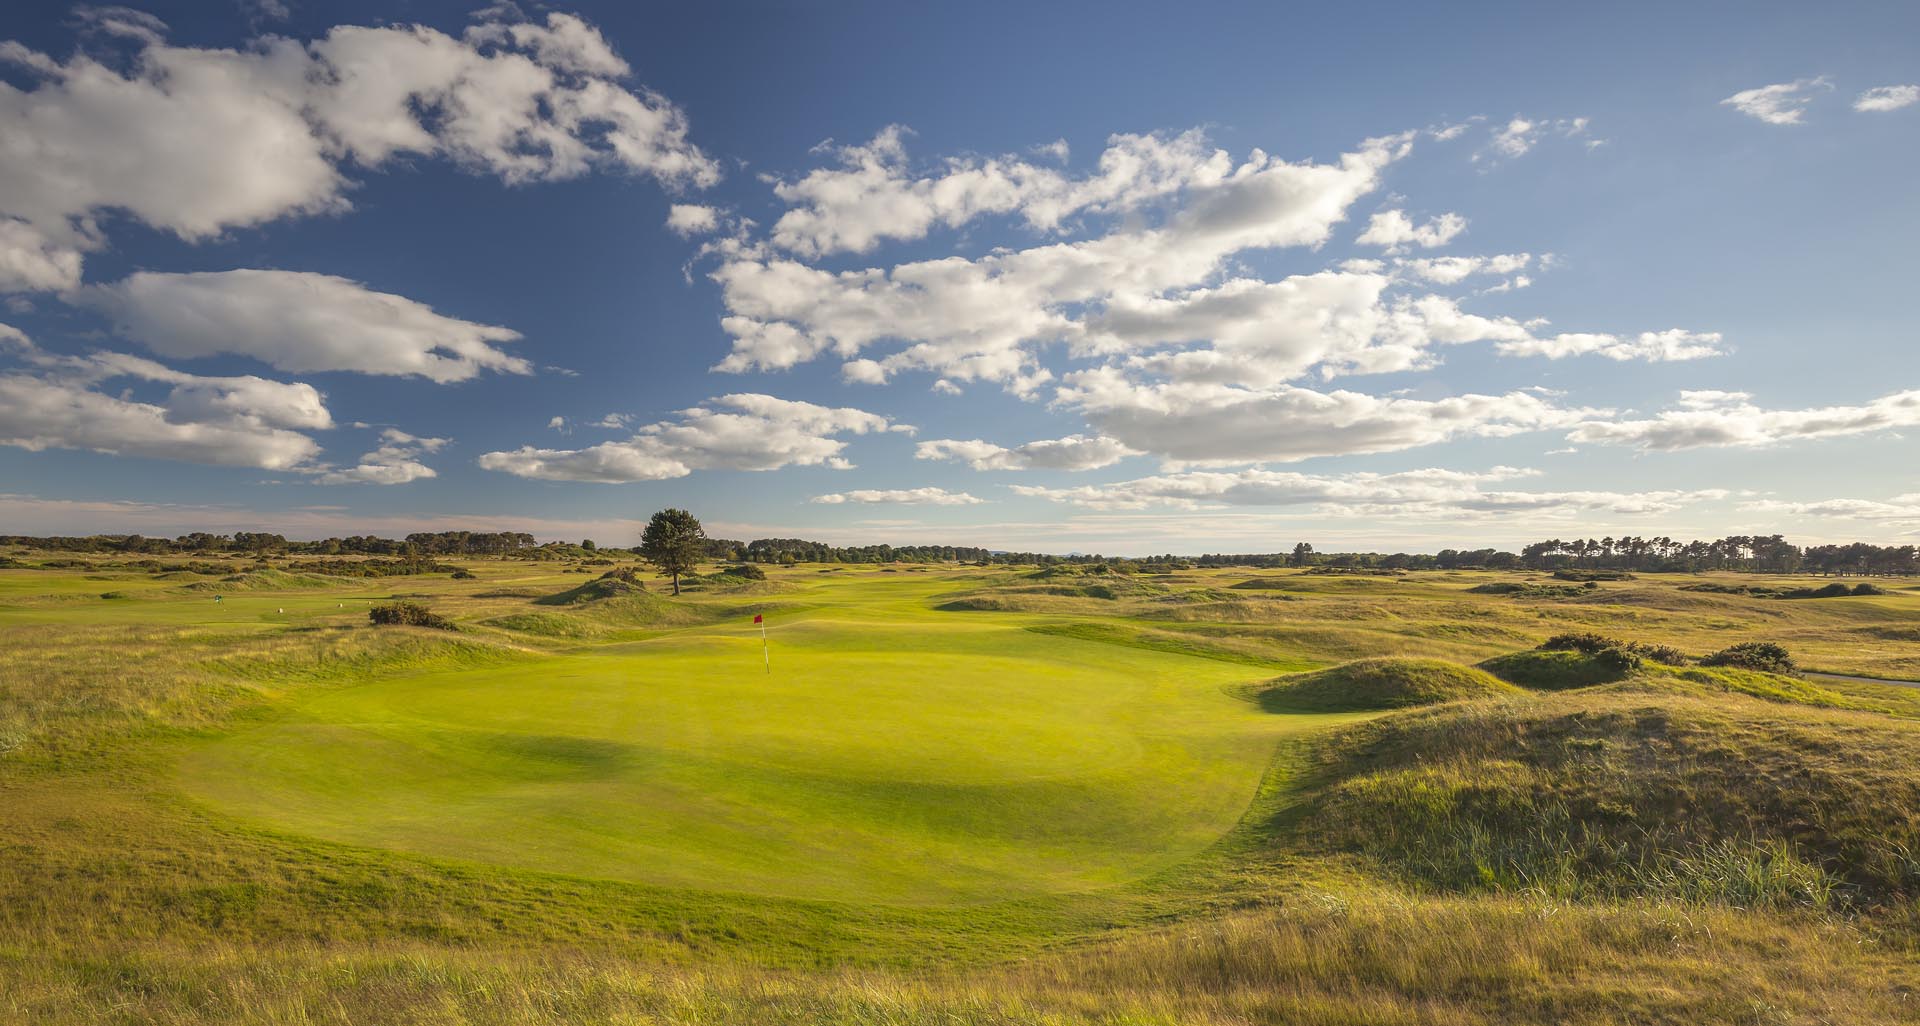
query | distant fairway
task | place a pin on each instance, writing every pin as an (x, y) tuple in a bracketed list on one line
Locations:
[(894, 754)]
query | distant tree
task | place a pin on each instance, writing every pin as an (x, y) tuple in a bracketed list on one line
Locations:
[(674, 542), (1302, 554), (588, 544)]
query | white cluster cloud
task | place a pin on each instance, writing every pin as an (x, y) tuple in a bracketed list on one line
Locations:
[(1453, 270), (1216, 424), (1782, 103), (59, 402), (744, 432), (1720, 419), (1520, 135), (1880, 99), (225, 421), (980, 319), (1394, 231), (1428, 492), (689, 219), (395, 461), (1074, 452), (300, 322), (1901, 509), (1196, 359), (195, 141), (900, 496), (1667, 346), (875, 195)]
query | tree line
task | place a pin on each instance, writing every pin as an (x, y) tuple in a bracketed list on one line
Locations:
[(437, 543), (1751, 553)]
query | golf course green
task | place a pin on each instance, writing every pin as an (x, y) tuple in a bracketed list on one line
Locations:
[(894, 753)]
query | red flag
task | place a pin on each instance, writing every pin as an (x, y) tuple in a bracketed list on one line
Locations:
[(756, 618)]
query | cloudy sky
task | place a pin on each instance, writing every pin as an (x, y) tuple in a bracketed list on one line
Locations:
[(1126, 278)]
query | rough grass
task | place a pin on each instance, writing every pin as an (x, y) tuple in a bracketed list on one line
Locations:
[(1381, 684), (1328, 959), (1583, 795), (1684, 846)]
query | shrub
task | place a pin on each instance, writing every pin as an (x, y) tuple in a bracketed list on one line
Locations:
[(1617, 660), (1592, 575), (408, 614), (1585, 641), (1596, 644), (463, 575), (1659, 653), (746, 570), (1764, 656)]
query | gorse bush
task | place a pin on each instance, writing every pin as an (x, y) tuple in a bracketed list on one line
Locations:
[(1583, 642), (1596, 644), (1592, 575), (1753, 655), (408, 614)]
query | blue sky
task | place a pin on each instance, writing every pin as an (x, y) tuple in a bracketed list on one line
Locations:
[(1127, 278)]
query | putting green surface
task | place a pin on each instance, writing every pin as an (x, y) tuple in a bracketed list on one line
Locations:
[(895, 754)]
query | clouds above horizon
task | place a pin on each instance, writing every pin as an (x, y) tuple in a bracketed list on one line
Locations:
[(899, 496), (1783, 103), (232, 421), (1155, 304), (1203, 423), (1425, 492), (194, 141), (62, 402), (1881, 99), (300, 322), (875, 195), (321, 259), (1074, 452), (1712, 419), (732, 432), (396, 461)]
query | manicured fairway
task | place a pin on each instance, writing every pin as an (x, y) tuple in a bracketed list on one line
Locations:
[(895, 753)]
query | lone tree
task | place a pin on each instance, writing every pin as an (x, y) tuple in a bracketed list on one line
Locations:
[(674, 542), (1302, 554)]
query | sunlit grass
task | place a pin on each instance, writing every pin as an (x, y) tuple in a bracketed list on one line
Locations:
[(967, 796)]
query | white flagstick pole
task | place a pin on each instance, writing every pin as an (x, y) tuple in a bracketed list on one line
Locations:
[(765, 653)]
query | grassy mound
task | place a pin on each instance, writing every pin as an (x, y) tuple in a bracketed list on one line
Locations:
[(610, 585), (1606, 795), (1555, 671), (1774, 687), (1381, 684), (1265, 584), (268, 580), (546, 625)]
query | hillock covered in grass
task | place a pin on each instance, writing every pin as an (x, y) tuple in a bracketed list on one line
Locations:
[(1556, 670), (1722, 800), (267, 579), (1382, 684), (618, 583)]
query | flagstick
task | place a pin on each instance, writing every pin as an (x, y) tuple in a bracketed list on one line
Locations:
[(765, 653)]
